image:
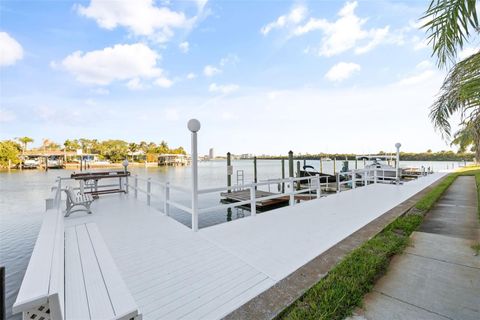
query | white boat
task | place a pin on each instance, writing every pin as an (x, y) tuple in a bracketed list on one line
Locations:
[(379, 162), (30, 164)]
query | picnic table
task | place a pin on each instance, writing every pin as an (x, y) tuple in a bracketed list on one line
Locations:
[(89, 180)]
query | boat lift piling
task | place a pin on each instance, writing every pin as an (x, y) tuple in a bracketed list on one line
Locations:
[(255, 171), (290, 164), (229, 171)]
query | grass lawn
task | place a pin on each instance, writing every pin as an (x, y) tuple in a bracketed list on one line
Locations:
[(342, 290)]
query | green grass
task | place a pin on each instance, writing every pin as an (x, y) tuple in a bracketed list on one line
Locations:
[(476, 248), (343, 289), (427, 202)]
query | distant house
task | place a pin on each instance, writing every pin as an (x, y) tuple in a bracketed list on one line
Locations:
[(173, 160)]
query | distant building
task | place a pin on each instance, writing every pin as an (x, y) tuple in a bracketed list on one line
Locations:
[(211, 154)]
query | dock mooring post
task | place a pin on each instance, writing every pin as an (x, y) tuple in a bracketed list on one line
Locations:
[(334, 165), (283, 175), (321, 165), (298, 175), (229, 172), (290, 164), (255, 171), (194, 127)]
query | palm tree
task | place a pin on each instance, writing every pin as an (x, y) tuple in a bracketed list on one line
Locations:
[(25, 141), (468, 135), (450, 25)]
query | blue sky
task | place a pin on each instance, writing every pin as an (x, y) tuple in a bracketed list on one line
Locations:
[(261, 76)]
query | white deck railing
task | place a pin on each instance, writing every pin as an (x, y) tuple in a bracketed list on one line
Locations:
[(311, 185), (291, 187)]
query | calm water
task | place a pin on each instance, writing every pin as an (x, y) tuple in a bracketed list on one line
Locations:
[(22, 203)]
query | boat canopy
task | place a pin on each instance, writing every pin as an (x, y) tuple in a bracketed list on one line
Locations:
[(375, 157)]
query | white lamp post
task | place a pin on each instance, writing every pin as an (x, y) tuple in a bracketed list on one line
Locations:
[(125, 165), (397, 161), (194, 126)]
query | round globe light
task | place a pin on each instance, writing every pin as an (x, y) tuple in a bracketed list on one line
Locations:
[(125, 163), (398, 145), (193, 125)]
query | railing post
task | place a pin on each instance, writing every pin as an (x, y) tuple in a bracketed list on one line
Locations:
[(149, 188), (194, 127), (319, 187), (166, 197), (375, 176), (354, 179), (135, 182), (291, 190), (253, 203), (365, 178), (338, 182)]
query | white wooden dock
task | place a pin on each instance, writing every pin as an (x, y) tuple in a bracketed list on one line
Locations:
[(174, 273)]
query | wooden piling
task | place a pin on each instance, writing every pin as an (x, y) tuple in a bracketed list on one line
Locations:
[(255, 171), (229, 173), (334, 165), (283, 175), (290, 164), (356, 164), (321, 165)]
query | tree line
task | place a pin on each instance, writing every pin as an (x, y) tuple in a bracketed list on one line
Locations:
[(114, 150), (404, 156)]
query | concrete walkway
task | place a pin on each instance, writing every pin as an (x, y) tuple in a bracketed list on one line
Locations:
[(438, 277)]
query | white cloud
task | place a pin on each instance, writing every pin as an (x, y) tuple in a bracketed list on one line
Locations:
[(120, 62), (223, 89), (135, 84), (6, 116), (210, 71), (191, 76), (10, 50), (345, 33), (230, 59), (342, 71), (172, 114), (417, 78), (101, 91), (419, 43), (425, 64), (467, 52), (163, 82), (184, 46), (377, 36), (295, 16), (140, 17)]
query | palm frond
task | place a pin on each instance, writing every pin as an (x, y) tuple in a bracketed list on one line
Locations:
[(460, 93), (449, 24)]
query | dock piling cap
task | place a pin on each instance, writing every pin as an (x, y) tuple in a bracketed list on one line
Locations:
[(193, 125)]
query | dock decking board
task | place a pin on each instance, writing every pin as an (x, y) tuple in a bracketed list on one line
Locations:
[(173, 272)]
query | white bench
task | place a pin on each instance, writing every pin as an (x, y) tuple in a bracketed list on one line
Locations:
[(81, 200), (71, 275)]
